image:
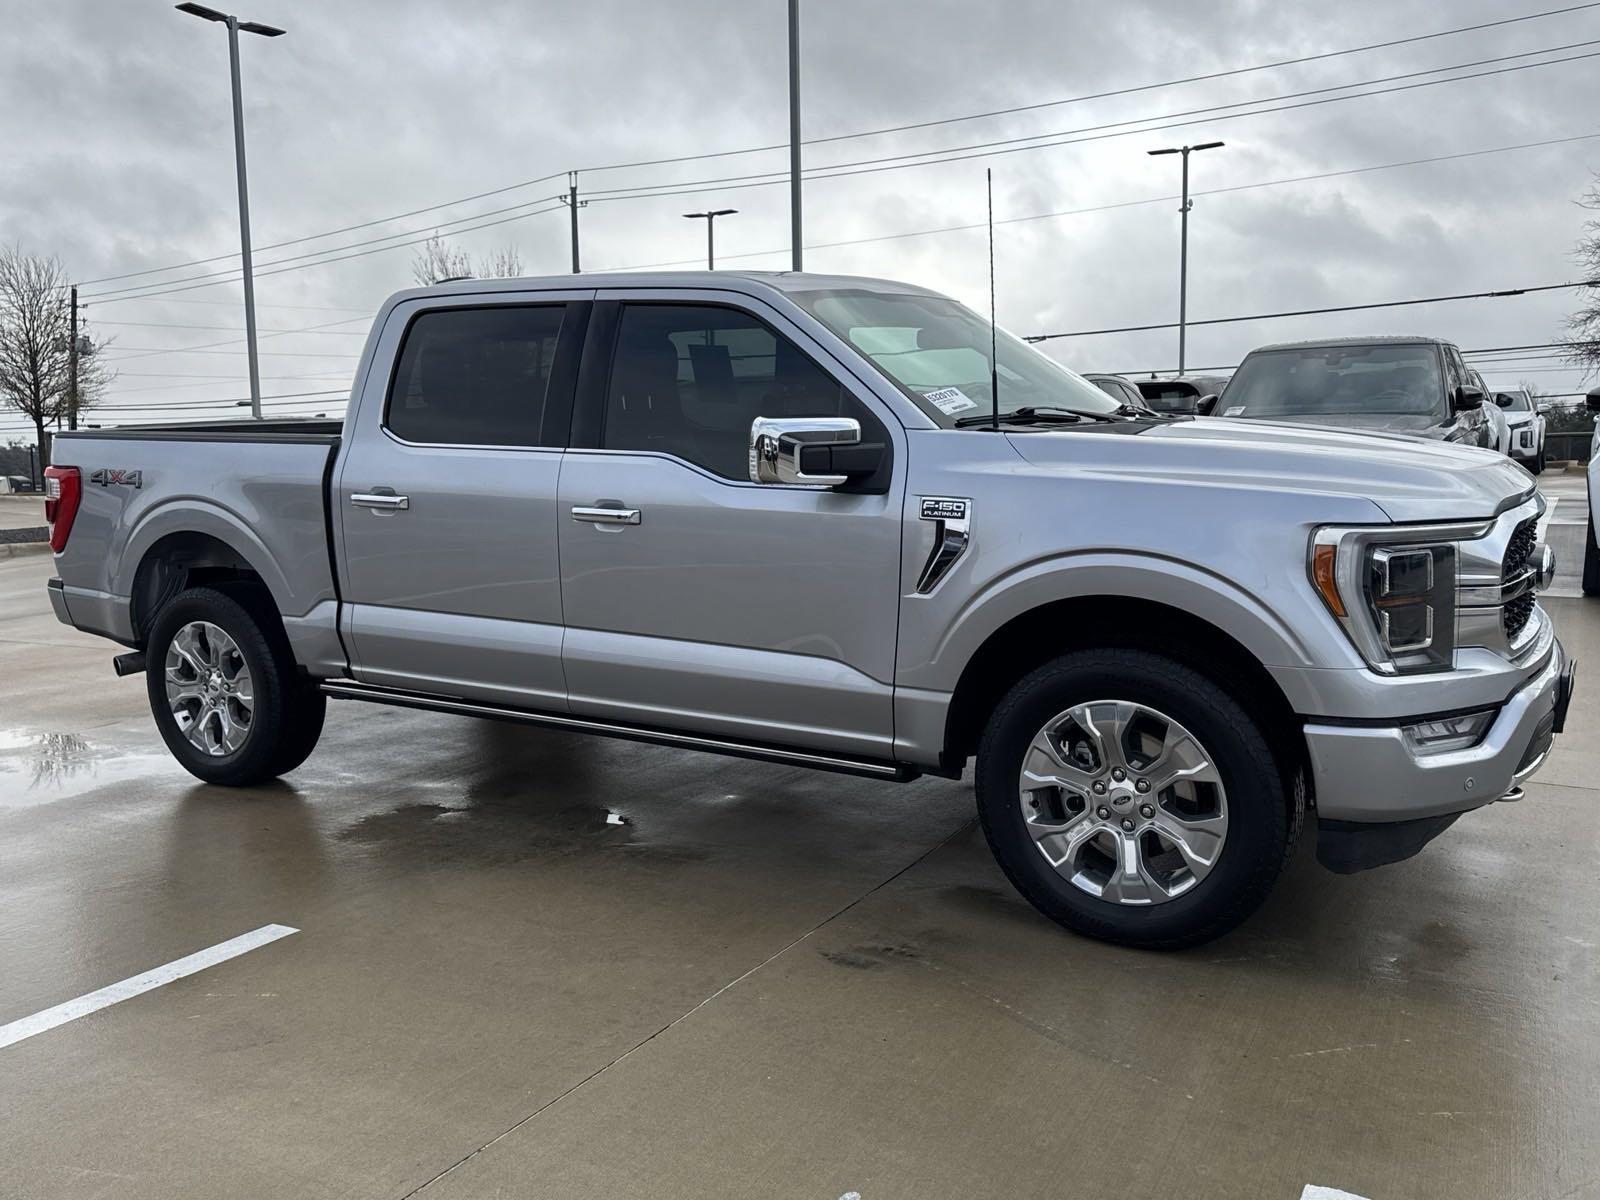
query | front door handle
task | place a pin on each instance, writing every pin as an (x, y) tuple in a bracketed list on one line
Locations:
[(383, 501), (605, 516)]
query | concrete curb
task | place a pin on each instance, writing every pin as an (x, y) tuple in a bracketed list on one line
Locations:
[(12, 549)]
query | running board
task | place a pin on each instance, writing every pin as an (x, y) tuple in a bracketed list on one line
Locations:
[(347, 689)]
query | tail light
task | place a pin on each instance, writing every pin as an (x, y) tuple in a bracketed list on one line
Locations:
[(63, 488)]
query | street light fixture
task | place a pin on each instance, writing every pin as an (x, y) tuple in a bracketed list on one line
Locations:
[(710, 218), (234, 27), (1183, 243)]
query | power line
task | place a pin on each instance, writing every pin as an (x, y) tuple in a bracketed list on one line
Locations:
[(1075, 212), (135, 352), (1226, 73), (165, 287), (311, 237), (1069, 137), (1000, 112), (828, 173), (240, 328), (1235, 366), (1312, 312)]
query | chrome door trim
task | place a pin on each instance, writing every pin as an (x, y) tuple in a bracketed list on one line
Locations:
[(385, 501), (605, 516), (347, 689)]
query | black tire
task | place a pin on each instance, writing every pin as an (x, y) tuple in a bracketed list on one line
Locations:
[(1265, 810), (1591, 563), (286, 711), (1538, 462)]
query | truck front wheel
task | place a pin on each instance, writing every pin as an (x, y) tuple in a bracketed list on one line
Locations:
[(1131, 799), (224, 690)]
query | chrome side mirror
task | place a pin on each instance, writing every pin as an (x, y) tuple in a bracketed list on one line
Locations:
[(776, 442)]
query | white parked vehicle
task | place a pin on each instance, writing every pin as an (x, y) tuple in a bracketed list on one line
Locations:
[(1525, 426)]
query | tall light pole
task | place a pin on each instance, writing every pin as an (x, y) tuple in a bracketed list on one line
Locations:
[(234, 26), (795, 254), (710, 218), (1183, 241)]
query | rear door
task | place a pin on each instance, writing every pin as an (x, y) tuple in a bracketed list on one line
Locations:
[(447, 498), (709, 602)]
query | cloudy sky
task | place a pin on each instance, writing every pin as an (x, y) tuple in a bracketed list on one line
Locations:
[(114, 115)]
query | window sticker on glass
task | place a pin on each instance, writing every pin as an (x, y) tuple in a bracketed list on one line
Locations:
[(1233, 410), (950, 400)]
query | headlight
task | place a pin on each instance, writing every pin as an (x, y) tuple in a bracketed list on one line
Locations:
[(1394, 592)]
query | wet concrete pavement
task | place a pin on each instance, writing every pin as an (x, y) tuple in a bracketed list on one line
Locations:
[(530, 964)]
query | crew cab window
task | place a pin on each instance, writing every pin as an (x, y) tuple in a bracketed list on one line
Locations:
[(689, 379), (475, 376)]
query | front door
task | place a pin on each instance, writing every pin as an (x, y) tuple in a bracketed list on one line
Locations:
[(693, 597), (447, 499)]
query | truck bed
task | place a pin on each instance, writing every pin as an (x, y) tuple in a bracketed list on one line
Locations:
[(259, 488)]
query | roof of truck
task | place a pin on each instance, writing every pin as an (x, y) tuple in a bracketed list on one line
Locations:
[(740, 281), (1381, 339)]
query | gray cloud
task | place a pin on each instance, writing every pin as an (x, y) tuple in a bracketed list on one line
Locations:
[(114, 114)]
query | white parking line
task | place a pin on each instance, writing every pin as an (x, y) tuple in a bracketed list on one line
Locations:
[(1313, 1192), (1543, 529), (115, 993)]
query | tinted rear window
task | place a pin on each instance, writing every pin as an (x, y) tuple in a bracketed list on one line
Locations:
[(475, 376)]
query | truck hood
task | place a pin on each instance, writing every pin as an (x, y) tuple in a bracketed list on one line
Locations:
[(1408, 478)]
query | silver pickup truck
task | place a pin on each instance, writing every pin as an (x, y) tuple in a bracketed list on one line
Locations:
[(782, 516)]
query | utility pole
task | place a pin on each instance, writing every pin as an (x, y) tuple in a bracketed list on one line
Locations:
[(710, 218), (72, 363), (234, 26), (795, 254), (573, 203), (1183, 241)]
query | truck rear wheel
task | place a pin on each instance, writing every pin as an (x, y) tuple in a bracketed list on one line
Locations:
[(1131, 799), (224, 690)]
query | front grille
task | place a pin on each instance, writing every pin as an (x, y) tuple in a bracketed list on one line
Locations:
[(1518, 559)]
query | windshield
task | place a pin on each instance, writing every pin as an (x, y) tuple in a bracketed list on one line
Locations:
[(936, 351), (1519, 401), (1316, 380)]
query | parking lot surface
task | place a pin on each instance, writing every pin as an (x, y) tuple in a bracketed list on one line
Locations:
[(529, 964)]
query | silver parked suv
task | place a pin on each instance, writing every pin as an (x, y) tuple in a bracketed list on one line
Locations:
[(788, 517)]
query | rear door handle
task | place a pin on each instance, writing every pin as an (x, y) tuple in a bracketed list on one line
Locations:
[(606, 516), (385, 501)]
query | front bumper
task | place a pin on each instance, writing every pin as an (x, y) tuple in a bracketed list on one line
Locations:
[(1371, 774)]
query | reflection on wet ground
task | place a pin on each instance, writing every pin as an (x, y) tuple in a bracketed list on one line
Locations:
[(37, 768)]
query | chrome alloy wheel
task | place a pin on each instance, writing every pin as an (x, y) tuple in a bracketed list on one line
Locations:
[(1124, 802), (208, 688)]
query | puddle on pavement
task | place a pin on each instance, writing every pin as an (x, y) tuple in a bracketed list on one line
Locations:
[(38, 768)]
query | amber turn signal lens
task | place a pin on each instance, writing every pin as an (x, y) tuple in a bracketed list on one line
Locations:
[(1322, 558)]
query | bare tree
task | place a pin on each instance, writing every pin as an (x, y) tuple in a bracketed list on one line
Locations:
[(35, 345), (436, 260), (1583, 342)]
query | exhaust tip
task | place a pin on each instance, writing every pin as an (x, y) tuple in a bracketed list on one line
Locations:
[(128, 664)]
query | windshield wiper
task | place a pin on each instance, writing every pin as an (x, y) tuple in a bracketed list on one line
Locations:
[(1033, 415)]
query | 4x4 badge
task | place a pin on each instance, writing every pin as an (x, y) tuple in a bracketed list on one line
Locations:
[(106, 476), (952, 517)]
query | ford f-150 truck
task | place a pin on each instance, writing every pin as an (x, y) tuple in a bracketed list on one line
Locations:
[(788, 517)]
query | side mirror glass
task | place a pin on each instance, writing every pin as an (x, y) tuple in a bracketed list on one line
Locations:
[(776, 445), (1467, 398), (1592, 400), (1205, 404)]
